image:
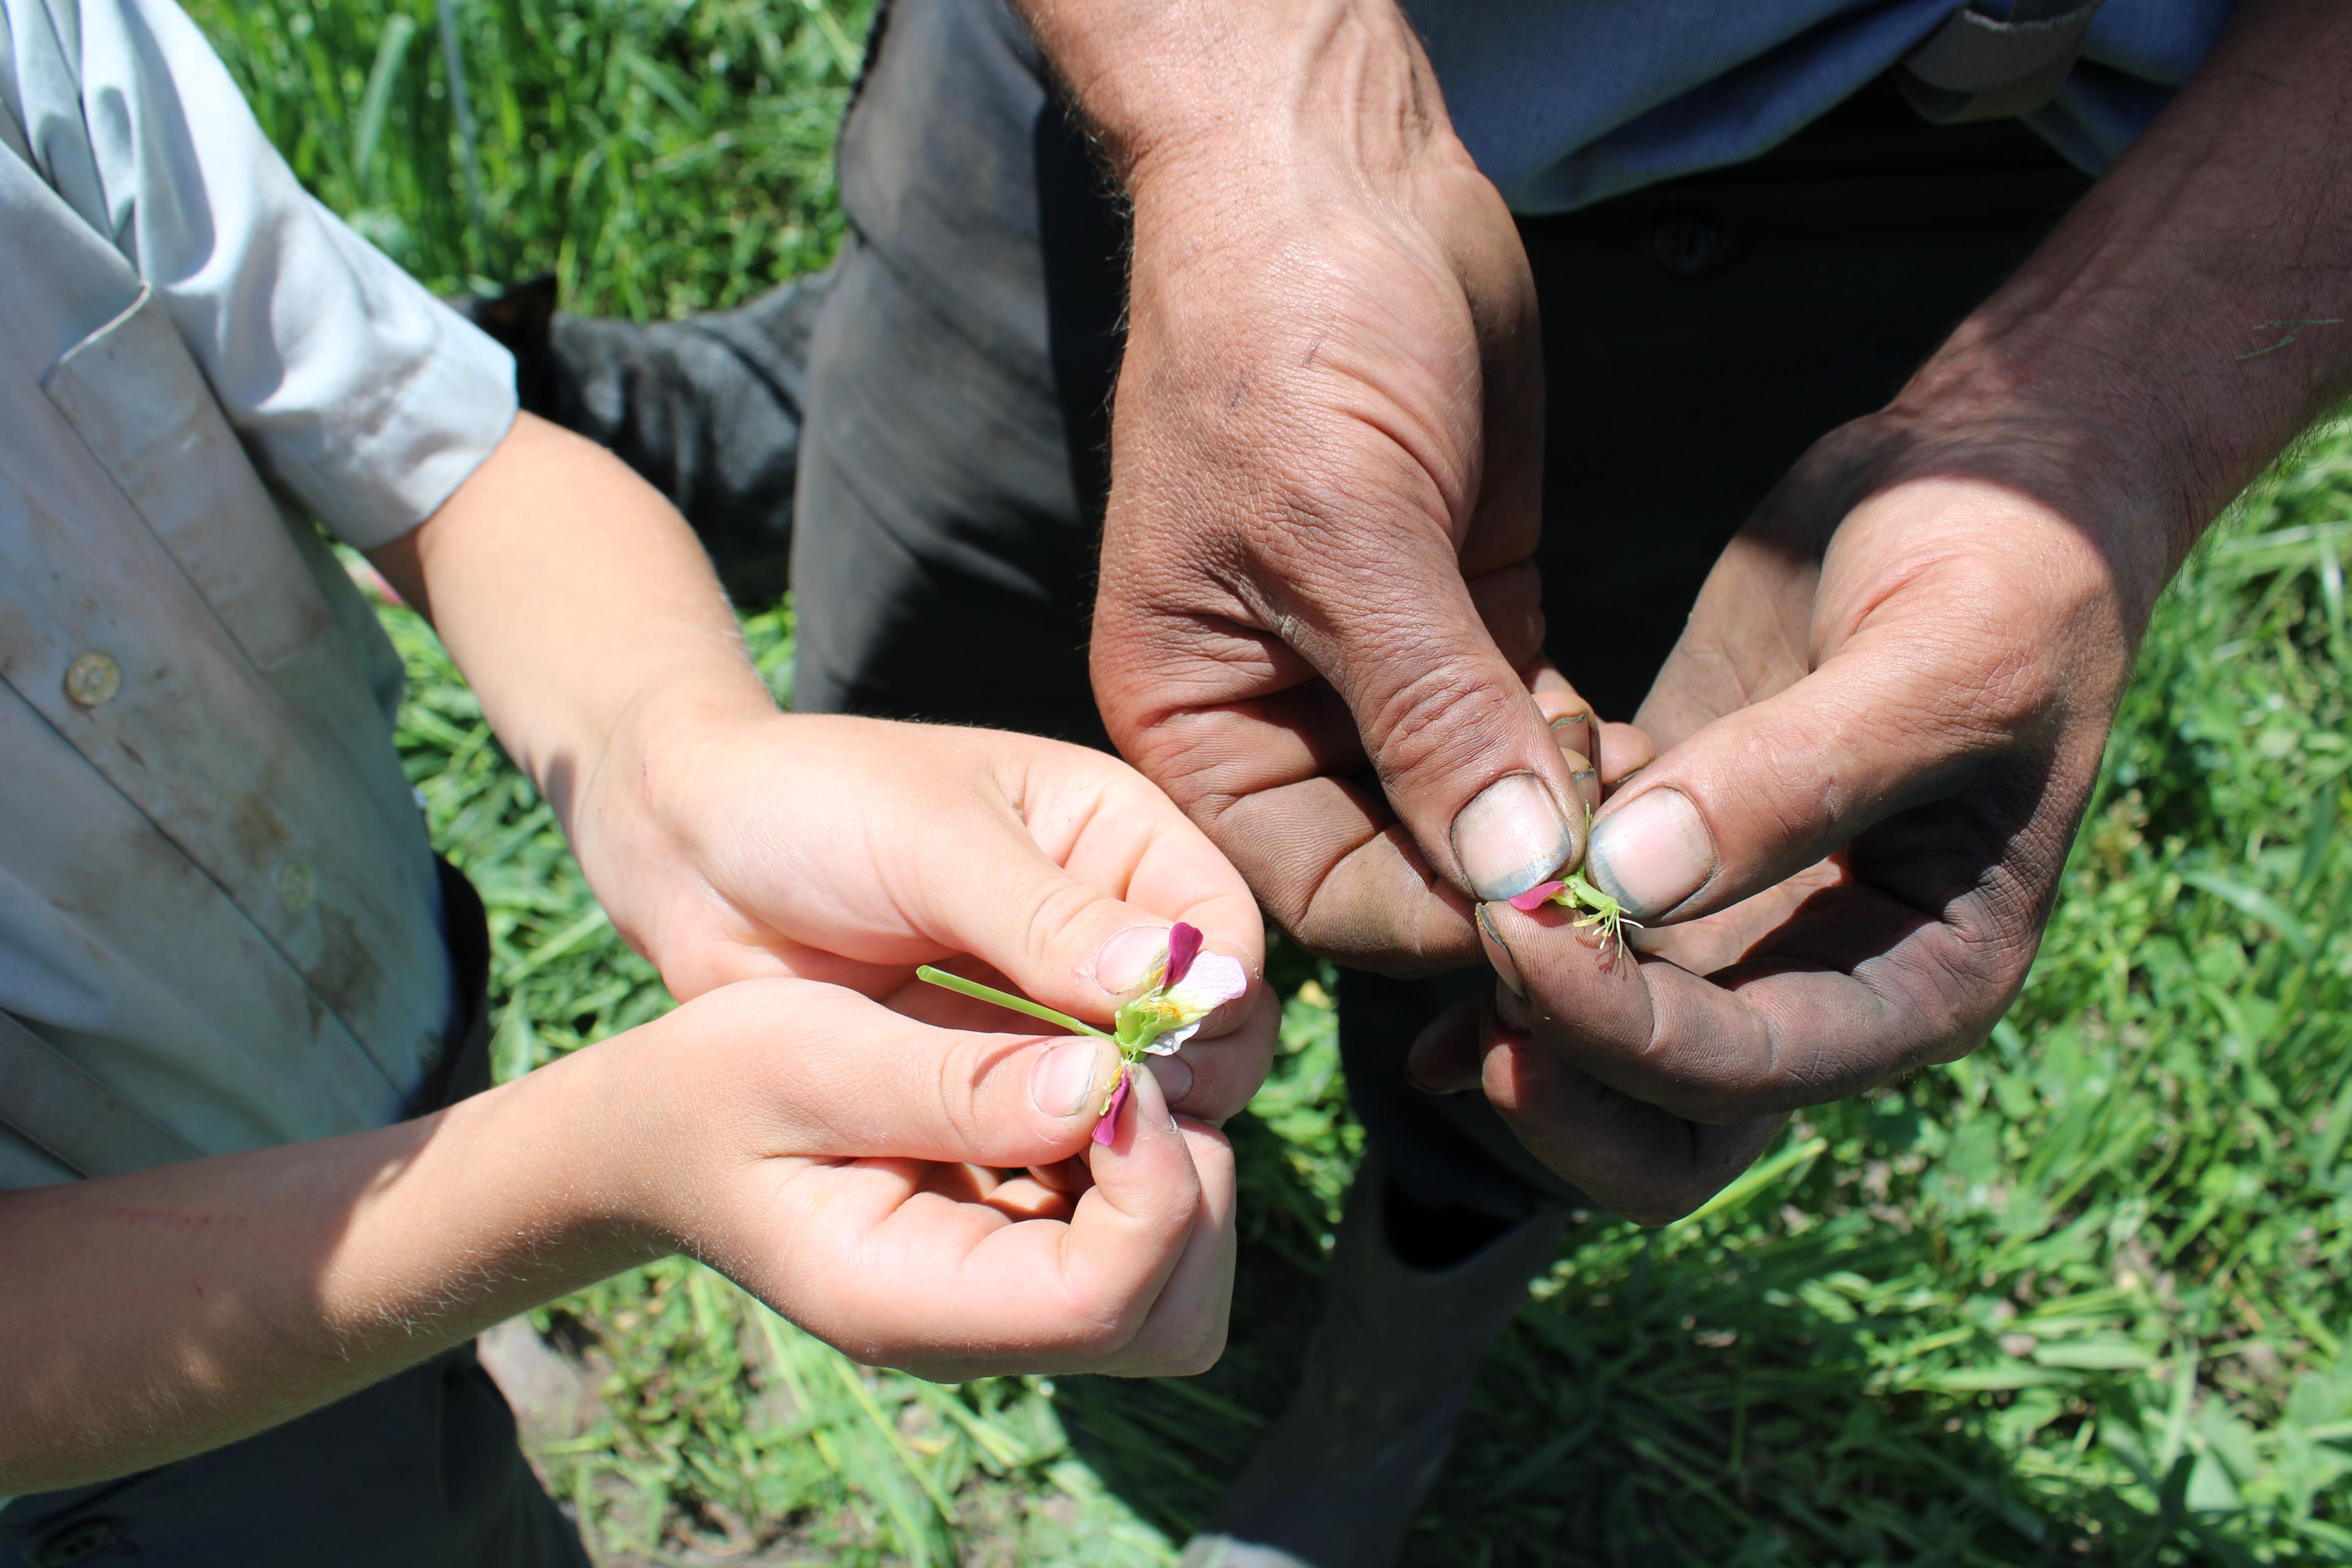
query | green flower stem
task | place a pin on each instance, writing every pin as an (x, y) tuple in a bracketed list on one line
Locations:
[(975, 990)]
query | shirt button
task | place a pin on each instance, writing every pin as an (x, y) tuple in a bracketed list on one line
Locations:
[(93, 679), (1688, 244), (298, 886)]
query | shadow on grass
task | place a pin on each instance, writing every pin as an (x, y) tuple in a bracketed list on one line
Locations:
[(1704, 1402)]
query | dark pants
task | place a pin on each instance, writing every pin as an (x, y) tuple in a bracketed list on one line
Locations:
[(419, 1471), (1699, 336)]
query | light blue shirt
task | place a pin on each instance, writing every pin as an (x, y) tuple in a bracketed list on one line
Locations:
[(216, 896), (1566, 102)]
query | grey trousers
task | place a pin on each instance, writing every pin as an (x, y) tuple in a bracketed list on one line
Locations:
[(1699, 336)]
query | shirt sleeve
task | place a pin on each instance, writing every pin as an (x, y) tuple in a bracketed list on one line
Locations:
[(352, 386)]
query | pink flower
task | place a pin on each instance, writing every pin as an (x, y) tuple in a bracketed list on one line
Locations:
[(1107, 1127), (1183, 946), (1537, 895), (1192, 984)]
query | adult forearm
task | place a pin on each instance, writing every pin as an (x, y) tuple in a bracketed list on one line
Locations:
[(2194, 314), (152, 1316), (1162, 85)]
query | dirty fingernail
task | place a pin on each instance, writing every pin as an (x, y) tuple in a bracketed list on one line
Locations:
[(1511, 837), (1507, 968), (1126, 958), (1061, 1083), (1175, 1076), (1588, 787), (1579, 732), (1653, 853)]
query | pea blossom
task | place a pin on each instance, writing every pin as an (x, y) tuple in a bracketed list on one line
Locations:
[(1597, 909), (1186, 986)]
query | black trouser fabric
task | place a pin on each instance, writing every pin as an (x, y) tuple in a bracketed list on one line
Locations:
[(1699, 336), (421, 1470)]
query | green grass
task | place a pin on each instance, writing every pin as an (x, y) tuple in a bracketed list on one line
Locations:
[(2078, 1298)]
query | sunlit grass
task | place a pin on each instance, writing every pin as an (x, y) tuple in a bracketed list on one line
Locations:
[(2079, 1298)]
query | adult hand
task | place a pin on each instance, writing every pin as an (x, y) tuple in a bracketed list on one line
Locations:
[(1882, 722), (851, 850), (1879, 732), (1318, 618)]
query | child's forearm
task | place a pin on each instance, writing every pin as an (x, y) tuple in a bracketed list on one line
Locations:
[(152, 1316), (587, 620)]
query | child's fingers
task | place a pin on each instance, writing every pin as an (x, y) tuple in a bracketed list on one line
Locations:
[(860, 1081), (1184, 1332), (1213, 1079), (957, 1290), (1063, 941)]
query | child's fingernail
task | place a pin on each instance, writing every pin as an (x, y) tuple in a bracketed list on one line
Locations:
[(1511, 837), (1175, 1076), (1651, 853), (1061, 1083), (1152, 1097), (1507, 969), (1128, 959)]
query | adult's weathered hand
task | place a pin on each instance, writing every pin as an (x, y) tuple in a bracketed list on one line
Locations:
[(1882, 723), (1318, 617), (1879, 732)]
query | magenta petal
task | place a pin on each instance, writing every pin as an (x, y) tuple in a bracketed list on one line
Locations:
[(1183, 947), (1107, 1128), (1536, 895)]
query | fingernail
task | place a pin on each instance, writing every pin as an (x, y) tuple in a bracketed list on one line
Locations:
[(1150, 1090), (1588, 787), (1651, 853), (1579, 733), (1063, 1081), (1126, 958), (1175, 1076), (1511, 837), (1507, 969), (1511, 1011)]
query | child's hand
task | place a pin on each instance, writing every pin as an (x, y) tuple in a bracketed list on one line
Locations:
[(851, 850), (849, 1166)]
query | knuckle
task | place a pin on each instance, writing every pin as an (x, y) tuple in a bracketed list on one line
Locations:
[(955, 1090), (1058, 906), (1440, 716), (1104, 1327)]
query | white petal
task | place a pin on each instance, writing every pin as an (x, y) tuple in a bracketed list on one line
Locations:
[(1169, 1044), (1211, 982)]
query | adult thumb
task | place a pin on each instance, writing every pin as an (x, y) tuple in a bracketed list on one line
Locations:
[(1760, 794), (1462, 751)]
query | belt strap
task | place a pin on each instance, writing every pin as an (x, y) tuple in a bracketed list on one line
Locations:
[(1980, 66), (71, 1116)]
